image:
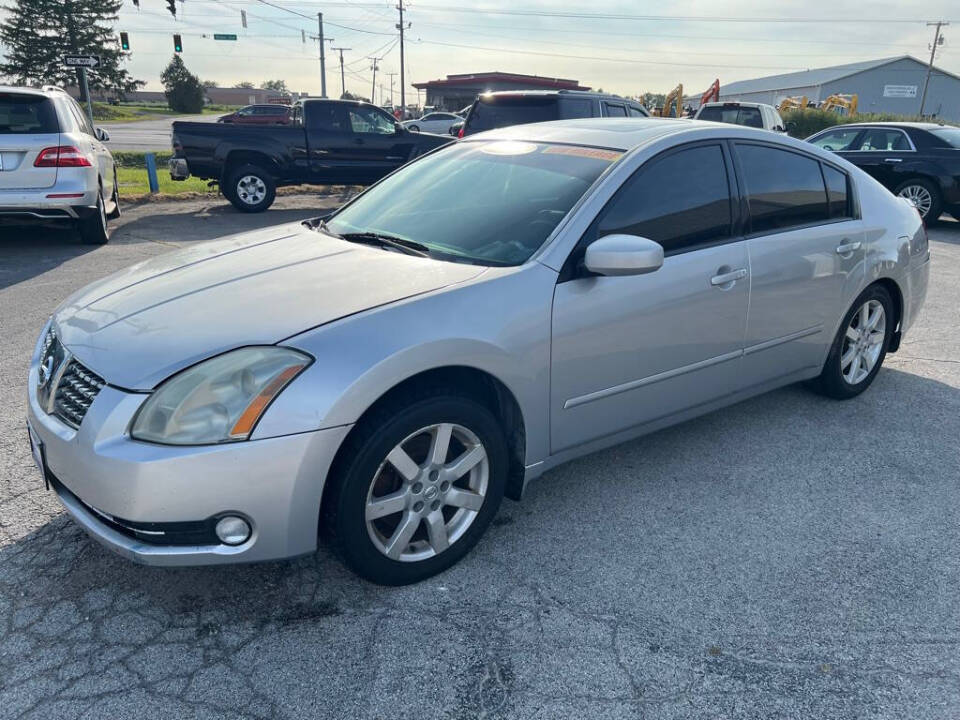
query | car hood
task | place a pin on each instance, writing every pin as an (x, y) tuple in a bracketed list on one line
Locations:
[(141, 325)]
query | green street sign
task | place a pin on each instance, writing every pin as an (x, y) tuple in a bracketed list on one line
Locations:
[(224, 36)]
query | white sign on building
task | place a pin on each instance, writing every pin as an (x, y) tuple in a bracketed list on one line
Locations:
[(900, 91)]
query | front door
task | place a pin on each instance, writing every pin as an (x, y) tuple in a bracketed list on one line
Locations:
[(881, 152), (376, 144), (330, 143), (632, 350)]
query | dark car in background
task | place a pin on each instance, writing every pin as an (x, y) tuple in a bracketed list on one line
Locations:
[(259, 115), (328, 142), (918, 161), (511, 107)]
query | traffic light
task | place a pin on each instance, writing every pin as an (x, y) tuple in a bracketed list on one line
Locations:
[(172, 7), (124, 41), (177, 44)]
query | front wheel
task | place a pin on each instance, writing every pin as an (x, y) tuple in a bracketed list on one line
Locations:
[(419, 486), (250, 189), (860, 346)]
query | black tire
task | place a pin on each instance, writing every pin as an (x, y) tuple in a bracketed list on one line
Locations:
[(936, 199), (831, 381), (414, 128), (93, 229), (115, 199), (344, 508), (258, 184)]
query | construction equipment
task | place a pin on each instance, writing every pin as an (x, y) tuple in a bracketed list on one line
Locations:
[(673, 103), (712, 94), (840, 104), (796, 102)]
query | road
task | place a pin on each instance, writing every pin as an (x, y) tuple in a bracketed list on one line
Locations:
[(147, 134), (788, 557)]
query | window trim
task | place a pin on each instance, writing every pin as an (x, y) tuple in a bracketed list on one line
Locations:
[(746, 228), (835, 128), (572, 267)]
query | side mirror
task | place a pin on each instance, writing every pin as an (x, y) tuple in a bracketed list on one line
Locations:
[(102, 135), (623, 255)]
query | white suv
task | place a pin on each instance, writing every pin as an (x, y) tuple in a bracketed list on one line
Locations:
[(757, 115), (53, 163)]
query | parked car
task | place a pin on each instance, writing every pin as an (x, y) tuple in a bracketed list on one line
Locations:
[(54, 166), (388, 373), (918, 161), (455, 128), (326, 142), (267, 114), (502, 109), (435, 122), (748, 114)]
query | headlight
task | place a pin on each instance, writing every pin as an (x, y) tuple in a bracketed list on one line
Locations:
[(219, 400)]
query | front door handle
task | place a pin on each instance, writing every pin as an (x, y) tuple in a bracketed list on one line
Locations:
[(893, 159), (848, 248), (728, 278)]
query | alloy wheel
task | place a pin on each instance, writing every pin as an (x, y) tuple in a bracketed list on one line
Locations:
[(427, 492), (863, 342), (920, 197), (251, 190)]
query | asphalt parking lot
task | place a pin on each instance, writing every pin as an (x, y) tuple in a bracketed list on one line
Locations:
[(789, 557)]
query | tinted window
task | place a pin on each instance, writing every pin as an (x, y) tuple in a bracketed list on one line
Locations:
[(518, 193), (615, 110), (837, 194), (883, 140), (636, 112), (837, 140), (783, 189), (21, 114), (327, 116), (947, 136), (733, 114), (679, 200), (577, 108), (501, 111), (83, 123)]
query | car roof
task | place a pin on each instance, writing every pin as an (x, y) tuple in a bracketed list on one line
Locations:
[(721, 103), (614, 133), (543, 93), (893, 124), (44, 91)]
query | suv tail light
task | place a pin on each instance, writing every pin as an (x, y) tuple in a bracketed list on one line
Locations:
[(61, 156)]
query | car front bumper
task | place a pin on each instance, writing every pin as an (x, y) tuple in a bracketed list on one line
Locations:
[(110, 483)]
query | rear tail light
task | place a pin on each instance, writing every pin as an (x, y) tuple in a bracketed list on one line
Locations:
[(460, 134), (61, 156)]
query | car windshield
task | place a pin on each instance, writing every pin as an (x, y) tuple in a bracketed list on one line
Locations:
[(490, 203), (26, 114), (499, 111), (950, 135)]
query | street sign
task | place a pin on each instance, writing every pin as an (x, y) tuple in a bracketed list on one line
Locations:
[(84, 61), (224, 36)]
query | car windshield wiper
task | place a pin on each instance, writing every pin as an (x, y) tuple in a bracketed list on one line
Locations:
[(410, 247)]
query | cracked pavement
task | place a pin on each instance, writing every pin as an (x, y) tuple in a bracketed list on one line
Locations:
[(789, 557)]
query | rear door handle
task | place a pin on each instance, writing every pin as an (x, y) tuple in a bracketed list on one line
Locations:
[(893, 159), (728, 277), (848, 248)]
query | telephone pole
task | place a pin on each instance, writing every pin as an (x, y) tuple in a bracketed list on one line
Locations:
[(323, 59), (392, 75), (403, 85), (343, 86), (373, 86), (937, 41)]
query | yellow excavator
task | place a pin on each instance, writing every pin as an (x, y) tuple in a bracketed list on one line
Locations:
[(797, 102), (673, 103), (840, 104)]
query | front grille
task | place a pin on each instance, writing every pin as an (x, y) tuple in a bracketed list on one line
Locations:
[(75, 392)]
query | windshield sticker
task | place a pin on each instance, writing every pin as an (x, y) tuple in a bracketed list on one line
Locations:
[(587, 152), (509, 147)]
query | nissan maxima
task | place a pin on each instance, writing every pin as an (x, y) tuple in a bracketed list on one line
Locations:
[(384, 375)]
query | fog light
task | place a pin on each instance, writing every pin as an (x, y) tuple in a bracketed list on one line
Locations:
[(233, 530)]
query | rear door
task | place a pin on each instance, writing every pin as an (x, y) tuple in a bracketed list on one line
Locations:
[(28, 124), (333, 157), (85, 136)]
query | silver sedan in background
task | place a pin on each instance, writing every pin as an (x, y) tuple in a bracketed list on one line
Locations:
[(388, 373)]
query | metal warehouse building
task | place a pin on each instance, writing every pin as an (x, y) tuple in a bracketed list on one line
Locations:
[(889, 85)]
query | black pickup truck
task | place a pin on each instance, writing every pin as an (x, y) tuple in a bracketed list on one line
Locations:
[(341, 142)]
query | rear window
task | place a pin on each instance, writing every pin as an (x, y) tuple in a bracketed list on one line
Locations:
[(732, 114), (499, 111), (27, 114), (949, 135)]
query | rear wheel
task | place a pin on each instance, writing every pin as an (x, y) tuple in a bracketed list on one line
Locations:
[(419, 486), (250, 188), (925, 197), (93, 229), (860, 347)]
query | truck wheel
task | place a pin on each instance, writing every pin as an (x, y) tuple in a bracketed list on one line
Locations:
[(250, 189)]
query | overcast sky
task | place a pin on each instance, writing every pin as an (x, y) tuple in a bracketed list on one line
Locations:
[(687, 41)]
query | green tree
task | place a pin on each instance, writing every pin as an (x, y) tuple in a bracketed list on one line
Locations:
[(245, 84), (37, 34), (182, 88), (350, 96), (209, 84), (275, 85)]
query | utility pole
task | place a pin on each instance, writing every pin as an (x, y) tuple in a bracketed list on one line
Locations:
[(391, 87), (323, 59), (937, 41), (403, 96), (343, 86), (373, 87)]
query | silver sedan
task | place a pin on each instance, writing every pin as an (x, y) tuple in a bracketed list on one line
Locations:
[(385, 375)]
